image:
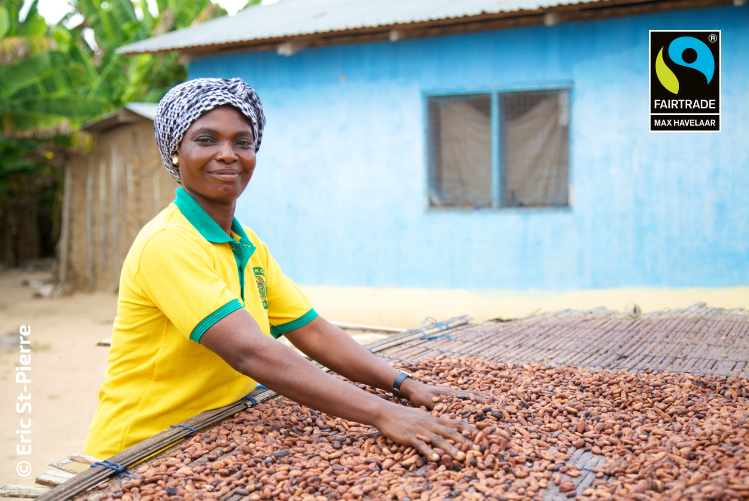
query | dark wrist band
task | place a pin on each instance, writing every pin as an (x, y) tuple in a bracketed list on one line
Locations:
[(397, 383)]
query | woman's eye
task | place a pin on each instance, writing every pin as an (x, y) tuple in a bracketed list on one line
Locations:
[(245, 143), (204, 140)]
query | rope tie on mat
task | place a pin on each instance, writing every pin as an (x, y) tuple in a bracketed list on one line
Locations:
[(430, 323), (193, 430), (392, 358), (434, 338), (249, 399), (434, 323), (113, 466)]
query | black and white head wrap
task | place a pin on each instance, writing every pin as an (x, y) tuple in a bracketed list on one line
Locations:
[(186, 102)]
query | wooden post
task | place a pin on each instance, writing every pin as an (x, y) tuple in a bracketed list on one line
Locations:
[(130, 187), (114, 169), (65, 228), (102, 212), (90, 222)]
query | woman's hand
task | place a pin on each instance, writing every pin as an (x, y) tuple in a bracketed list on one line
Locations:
[(333, 348), (424, 432), (238, 340), (422, 394), (336, 350)]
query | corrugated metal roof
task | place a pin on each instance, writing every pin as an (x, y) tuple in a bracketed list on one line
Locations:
[(146, 110), (287, 18), (123, 116)]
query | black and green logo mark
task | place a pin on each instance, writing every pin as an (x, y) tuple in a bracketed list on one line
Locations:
[(685, 80)]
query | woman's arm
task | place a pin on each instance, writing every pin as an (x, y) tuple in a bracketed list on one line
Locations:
[(330, 346), (238, 340)]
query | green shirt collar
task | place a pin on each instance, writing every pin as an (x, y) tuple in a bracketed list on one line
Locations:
[(205, 224)]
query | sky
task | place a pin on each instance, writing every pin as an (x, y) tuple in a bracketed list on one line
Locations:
[(54, 10)]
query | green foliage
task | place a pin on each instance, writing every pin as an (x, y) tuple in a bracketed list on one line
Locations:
[(4, 20), (42, 88), (52, 81), (146, 77), (29, 71), (29, 203)]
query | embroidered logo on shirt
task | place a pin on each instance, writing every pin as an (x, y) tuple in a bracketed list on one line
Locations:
[(261, 284)]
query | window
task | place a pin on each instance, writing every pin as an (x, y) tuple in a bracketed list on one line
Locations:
[(499, 149)]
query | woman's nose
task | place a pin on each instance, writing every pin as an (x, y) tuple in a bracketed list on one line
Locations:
[(226, 152)]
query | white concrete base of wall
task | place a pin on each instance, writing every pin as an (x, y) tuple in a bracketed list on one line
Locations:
[(408, 307)]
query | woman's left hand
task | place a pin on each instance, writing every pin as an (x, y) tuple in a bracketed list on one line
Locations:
[(421, 394)]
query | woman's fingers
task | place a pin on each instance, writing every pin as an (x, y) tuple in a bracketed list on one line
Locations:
[(463, 394), (450, 449), (425, 432), (444, 431), (426, 450), (487, 398), (478, 397), (455, 436), (460, 426), (425, 395)]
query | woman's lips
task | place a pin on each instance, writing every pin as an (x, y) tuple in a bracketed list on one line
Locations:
[(225, 175)]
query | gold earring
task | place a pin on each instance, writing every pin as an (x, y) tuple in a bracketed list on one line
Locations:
[(175, 160)]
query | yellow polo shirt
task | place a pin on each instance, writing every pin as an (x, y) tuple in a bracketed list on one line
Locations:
[(182, 275)]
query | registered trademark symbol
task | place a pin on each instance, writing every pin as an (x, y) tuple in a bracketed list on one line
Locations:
[(713, 38)]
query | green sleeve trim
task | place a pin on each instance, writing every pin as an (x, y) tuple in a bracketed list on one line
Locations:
[(279, 330), (214, 317)]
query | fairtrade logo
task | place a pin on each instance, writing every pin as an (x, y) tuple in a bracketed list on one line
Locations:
[(704, 63)]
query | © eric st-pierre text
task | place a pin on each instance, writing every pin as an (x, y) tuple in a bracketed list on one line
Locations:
[(23, 406)]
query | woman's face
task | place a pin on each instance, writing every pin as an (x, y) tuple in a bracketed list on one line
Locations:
[(217, 155)]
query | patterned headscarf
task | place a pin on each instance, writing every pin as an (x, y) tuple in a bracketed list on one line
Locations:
[(186, 102)]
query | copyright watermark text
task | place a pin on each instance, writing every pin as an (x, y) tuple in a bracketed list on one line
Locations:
[(23, 406)]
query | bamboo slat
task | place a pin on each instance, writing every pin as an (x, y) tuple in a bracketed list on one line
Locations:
[(53, 477), (367, 328), (22, 491)]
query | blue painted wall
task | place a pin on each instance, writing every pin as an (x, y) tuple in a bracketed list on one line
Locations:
[(339, 194)]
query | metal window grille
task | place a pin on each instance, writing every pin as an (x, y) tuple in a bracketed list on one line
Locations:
[(508, 149)]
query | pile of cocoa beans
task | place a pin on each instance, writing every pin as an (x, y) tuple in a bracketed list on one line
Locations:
[(664, 436)]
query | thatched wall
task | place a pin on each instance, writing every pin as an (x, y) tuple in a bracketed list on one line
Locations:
[(110, 194)]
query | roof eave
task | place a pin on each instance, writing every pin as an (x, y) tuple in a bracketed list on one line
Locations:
[(364, 32), (584, 11), (115, 119)]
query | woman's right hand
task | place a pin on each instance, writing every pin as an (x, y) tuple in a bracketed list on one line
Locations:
[(422, 431), (238, 340)]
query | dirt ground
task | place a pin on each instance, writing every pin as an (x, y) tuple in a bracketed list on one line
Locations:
[(66, 370)]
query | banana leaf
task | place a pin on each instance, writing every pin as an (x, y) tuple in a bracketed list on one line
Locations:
[(67, 107), (28, 71)]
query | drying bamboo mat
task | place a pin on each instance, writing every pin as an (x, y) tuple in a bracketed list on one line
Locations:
[(697, 339)]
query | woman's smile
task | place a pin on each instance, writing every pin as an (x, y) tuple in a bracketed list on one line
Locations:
[(225, 174)]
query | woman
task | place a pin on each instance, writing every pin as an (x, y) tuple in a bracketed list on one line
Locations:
[(201, 300)]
